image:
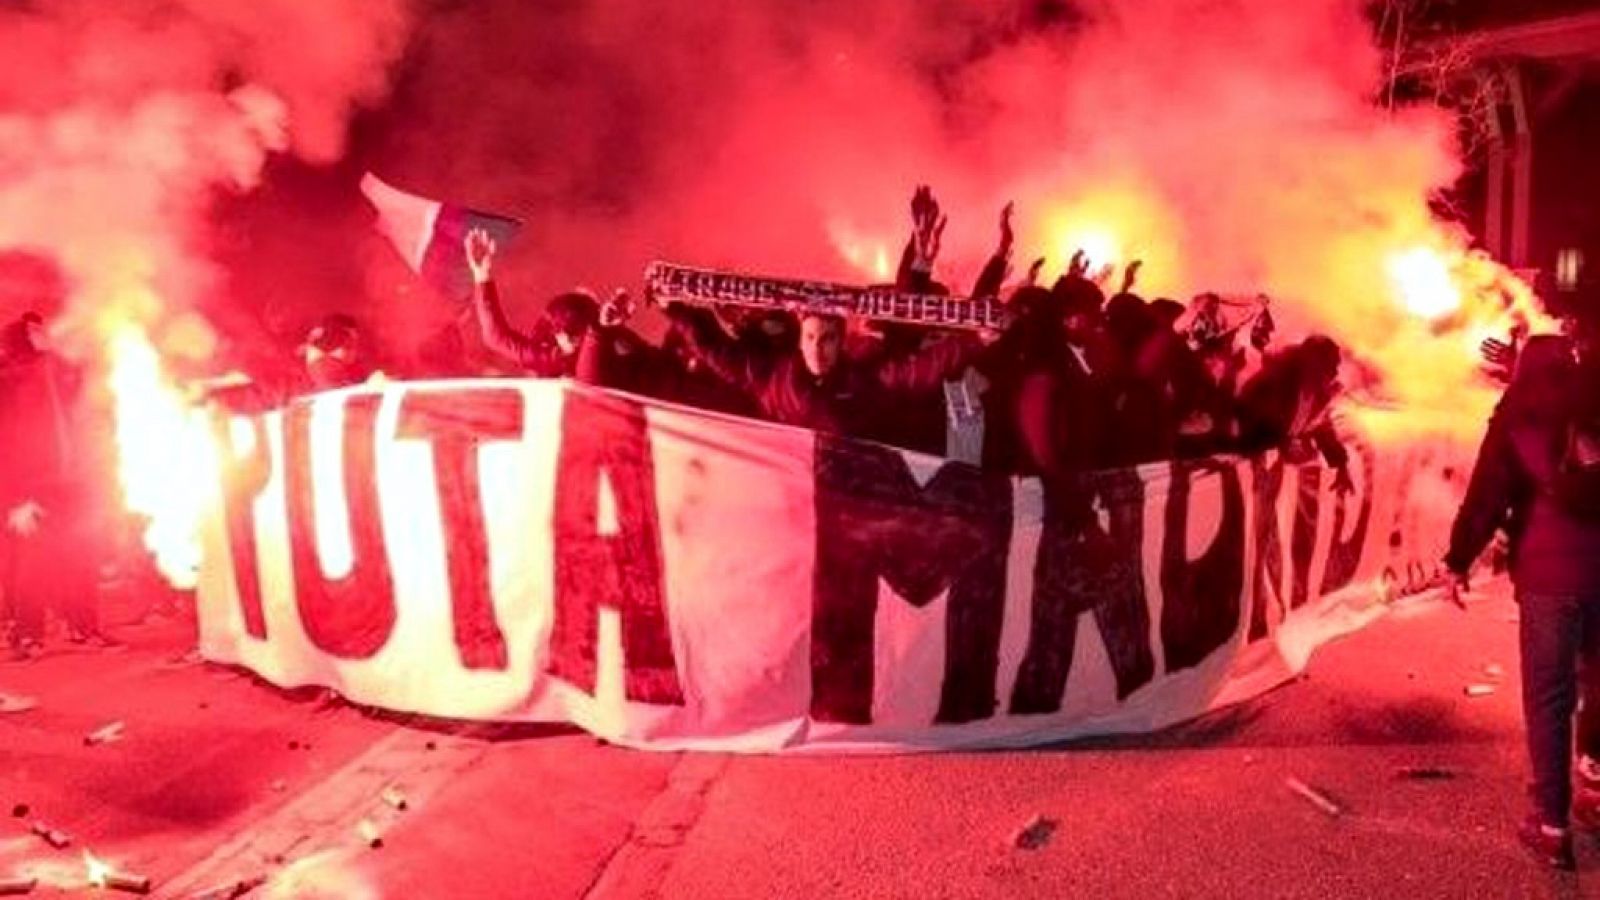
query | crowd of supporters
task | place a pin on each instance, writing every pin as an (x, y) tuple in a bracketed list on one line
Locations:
[(1077, 381)]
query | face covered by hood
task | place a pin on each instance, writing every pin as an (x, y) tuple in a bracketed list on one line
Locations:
[(333, 354)]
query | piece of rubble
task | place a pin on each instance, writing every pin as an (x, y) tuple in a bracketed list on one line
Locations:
[(231, 891), (1494, 670), (131, 884), (52, 836), (105, 734), (369, 833), (16, 703), (1478, 690), (392, 796), (1034, 834), (1315, 797), (1426, 773)]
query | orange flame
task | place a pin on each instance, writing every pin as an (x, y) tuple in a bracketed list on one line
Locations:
[(97, 869), (166, 459), (1425, 282)]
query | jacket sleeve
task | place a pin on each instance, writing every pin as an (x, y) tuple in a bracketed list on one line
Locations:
[(738, 365), (1036, 424), (536, 353), (1487, 504), (991, 278), (1326, 437), (905, 275), (925, 369)]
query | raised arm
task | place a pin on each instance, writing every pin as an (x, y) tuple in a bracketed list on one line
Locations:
[(740, 366), (994, 273), (927, 236), (535, 352)]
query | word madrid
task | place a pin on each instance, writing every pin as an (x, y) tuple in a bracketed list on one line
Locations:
[(473, 549)]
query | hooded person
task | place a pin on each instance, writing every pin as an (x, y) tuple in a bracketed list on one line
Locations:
[(1289, 405), (1536, 479), (45, 491), (1049, 401), (551, 349), (334, 354)]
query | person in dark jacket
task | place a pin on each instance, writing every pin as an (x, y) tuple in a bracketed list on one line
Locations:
[(614, 356), (45, 492), (1289, 405), (334, 355), (817, 386), (551, 349), (1553, 562), (1047, 408)]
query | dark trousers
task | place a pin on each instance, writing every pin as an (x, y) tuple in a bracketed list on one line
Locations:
[(55, 567), (1558, 631)]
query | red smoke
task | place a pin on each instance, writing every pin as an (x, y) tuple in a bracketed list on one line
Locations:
[(122, 118), (1235, 146)]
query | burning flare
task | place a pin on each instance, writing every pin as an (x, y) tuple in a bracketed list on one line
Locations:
[(166, 459), (1425, 283), (98, 870)]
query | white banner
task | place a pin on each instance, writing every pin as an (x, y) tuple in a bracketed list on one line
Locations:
[(668, 578)]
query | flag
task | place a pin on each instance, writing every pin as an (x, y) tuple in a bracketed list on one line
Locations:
[(429, 234)]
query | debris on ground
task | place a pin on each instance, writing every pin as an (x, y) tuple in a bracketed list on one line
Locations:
[(369, 833), (1315, 797), (279, 785), (1035, 834), (16, 887), (232, 891), (52, 836), (1426, 773), (392, 796), (105, 734), (1478, 690), (16, 703), (1494, 670), (132, 884)]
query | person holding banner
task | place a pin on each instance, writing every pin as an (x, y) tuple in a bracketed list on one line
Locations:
[(1537, 476), (816, 385)]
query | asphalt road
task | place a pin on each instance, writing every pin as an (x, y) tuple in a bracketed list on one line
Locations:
[(216, 778)]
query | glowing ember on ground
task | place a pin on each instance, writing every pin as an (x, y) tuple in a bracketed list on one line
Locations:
[(167, 463), (1426, 285), (97, 869)]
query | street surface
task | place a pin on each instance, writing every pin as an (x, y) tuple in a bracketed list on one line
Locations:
[(217, 778)]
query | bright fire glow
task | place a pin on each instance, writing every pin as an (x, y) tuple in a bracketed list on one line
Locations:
[(867, 255), (1426, 285), (1099, 246), (97, 869), (166, 458)]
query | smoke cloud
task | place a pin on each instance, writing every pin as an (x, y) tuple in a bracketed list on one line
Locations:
[(1234, 145), (120, 123)]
